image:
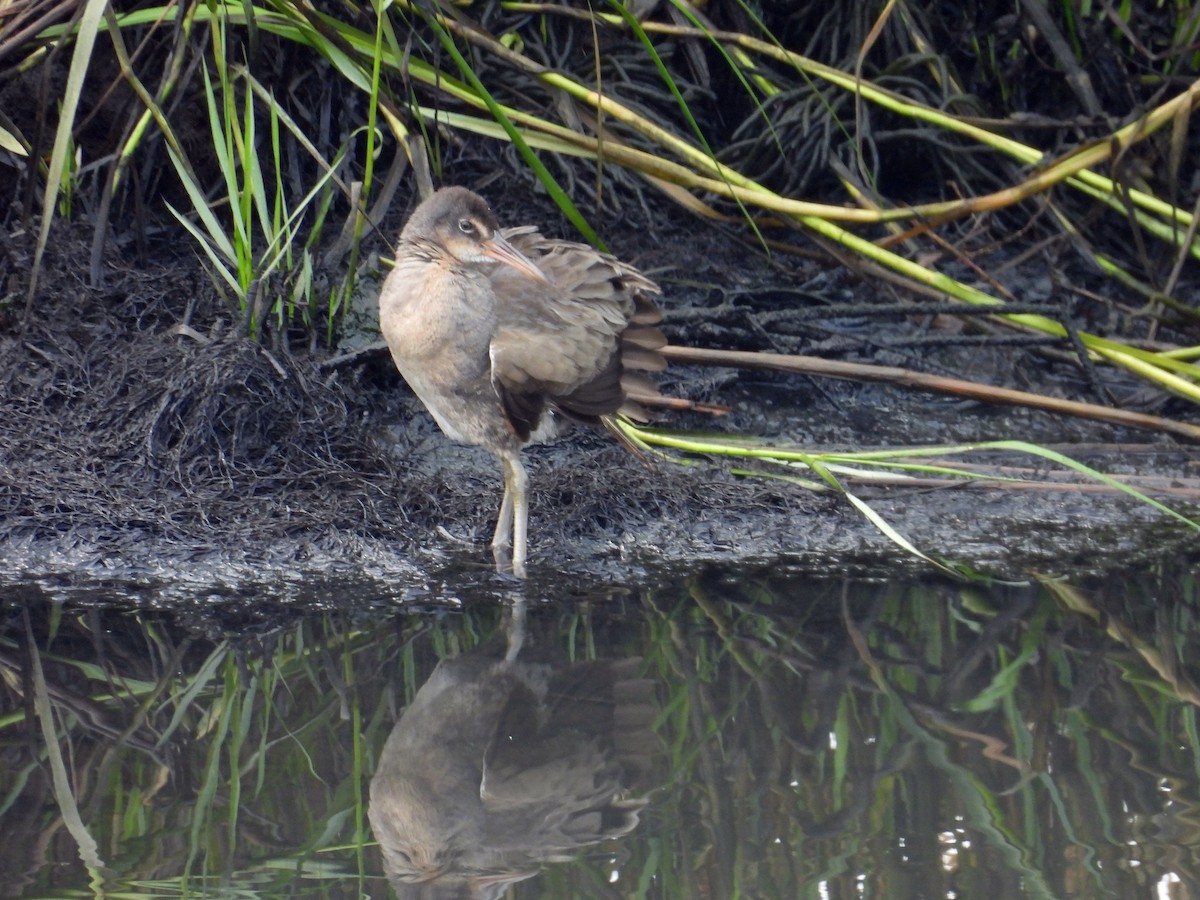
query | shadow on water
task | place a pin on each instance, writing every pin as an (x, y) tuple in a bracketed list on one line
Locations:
[(750, 737)]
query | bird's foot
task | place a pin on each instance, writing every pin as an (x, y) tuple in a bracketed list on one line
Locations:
[(505, 563)]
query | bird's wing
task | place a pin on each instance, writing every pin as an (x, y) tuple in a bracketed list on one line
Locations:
[(575, 369), (572, 340), (557, 756)]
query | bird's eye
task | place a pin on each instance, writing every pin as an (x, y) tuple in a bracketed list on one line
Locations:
[(466, 226)]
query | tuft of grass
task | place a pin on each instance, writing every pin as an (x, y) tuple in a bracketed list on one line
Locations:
[(265, 259)]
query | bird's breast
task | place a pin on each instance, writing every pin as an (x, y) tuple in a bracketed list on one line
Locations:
[(429, 308), (438, 322)]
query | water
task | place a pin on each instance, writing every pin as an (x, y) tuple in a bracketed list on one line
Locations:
[(804, 738)]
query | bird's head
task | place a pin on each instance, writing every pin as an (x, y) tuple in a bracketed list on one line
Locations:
[(461, 224)]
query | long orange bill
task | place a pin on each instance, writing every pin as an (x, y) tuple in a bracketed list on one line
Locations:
[(502, 251)]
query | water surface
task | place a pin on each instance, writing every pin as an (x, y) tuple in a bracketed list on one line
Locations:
[(807, 738)]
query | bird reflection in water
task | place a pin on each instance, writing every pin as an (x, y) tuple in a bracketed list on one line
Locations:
[(501, 764)]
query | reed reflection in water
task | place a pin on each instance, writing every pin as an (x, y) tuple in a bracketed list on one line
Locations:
[(816, 738)]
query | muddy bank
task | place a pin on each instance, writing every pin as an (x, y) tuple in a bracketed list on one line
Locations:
[(144, 437)]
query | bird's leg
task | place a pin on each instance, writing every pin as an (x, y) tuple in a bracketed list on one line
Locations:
[(512, 524), (520, 517), (515, 628), (502, 537)]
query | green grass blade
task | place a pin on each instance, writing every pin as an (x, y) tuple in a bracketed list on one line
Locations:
[(218, 264), (539, 168), (85, 41), (1061, 459)]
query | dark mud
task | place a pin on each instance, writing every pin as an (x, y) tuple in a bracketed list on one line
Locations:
[(144, 437)]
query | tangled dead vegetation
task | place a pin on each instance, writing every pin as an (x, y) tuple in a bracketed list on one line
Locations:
[(119, 427)]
